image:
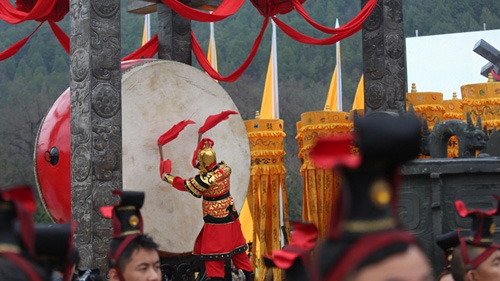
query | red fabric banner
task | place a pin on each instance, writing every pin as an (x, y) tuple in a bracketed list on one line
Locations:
[(205, 64), (225, 9), (297, 36), (40, 10), (60, 35), (12, 50), (147, 50), (349, 27)]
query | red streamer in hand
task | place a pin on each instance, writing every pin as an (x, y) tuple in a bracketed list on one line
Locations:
[(173, 132)]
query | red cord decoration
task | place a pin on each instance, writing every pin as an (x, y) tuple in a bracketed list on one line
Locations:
[(225, 9), (148, 50), (39, 11), (202, 57), (12, 50), (60, 35), (349, 27)]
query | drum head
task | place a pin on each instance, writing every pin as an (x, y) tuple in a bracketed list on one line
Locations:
[(155, 96)]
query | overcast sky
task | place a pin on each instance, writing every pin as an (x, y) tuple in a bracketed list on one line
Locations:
[(443, 63)]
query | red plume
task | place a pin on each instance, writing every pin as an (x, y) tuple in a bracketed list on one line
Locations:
[(213, 120), (463, 212), (333, 151), (173, 132), (25, 205)]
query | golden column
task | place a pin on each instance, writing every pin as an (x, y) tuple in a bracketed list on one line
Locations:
[(321, 187), (483, 100), (267, 179)]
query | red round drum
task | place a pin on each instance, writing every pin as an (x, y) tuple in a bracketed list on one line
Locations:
[(155, 95), (52, 159)]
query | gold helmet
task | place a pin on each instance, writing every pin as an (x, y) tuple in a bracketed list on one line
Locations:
[(206, 155)]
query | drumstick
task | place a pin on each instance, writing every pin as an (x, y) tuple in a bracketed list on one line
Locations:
[(161, 152)]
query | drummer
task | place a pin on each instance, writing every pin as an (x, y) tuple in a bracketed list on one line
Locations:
[(133, 256), (221, 237)]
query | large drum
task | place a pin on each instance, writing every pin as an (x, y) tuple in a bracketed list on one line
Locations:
[(155, 95)]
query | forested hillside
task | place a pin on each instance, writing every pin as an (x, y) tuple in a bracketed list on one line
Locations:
[(32, 80)]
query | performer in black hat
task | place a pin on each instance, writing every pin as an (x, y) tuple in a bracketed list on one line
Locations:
[(478, 257), (133, 256), (447, 242), (365, 241), (55, 251), (17, 205)]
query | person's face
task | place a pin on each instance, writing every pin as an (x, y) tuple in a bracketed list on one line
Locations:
[(144, 265), (411, 265), (488, 270), (446, 277)]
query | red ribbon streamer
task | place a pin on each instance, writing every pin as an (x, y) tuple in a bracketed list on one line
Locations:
[(340, 33), (349, 27), (60, 35), (11, 15), (148, 50), (224, 10), (202, 57), (12, 50)]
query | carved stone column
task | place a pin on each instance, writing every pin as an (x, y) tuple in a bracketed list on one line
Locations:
[(384, 57), (95, 123), (174, 38)]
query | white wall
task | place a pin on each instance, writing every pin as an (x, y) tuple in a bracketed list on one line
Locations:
[(443, 63)]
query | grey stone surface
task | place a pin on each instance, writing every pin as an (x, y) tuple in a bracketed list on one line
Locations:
[(95, 123), (384, 57), (431, 186)]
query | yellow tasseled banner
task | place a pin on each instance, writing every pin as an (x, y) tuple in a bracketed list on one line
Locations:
[(321, 187), (267, 179)]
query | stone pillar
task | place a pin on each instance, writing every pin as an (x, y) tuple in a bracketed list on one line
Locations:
[(96, 144), (174, 38), (384, 57)]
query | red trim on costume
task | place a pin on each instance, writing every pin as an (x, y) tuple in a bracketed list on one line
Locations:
[(24, 265), (178, 183), (479, 259), (119, 251), (25, 206), (198, 148)]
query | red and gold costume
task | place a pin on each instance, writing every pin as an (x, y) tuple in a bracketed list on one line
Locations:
[(221, 237)]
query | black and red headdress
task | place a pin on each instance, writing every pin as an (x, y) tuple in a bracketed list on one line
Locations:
[(481, 233), (53, 245), (127, 223), (448, 242), (17, 205), (364, 218)]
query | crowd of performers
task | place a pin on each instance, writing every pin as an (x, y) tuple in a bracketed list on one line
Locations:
[(365, 241)]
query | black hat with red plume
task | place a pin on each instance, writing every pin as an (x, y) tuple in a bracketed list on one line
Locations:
[(127, 222), (364, 220), (481, 233), (17, 204), (448, 242), (53, 246)]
